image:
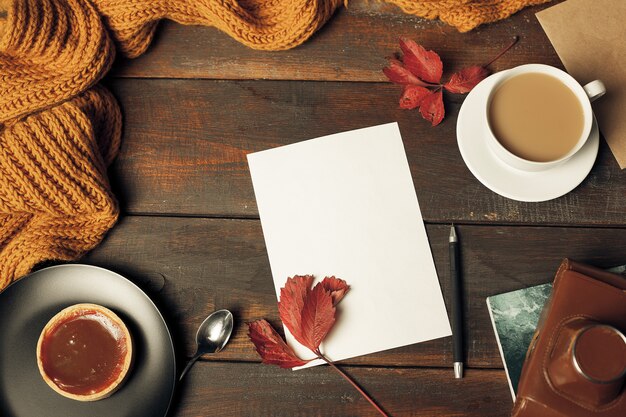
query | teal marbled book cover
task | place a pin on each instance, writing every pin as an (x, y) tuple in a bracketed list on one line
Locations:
[(514, 316)]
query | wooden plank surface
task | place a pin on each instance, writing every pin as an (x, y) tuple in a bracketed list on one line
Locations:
[(239, 389), (352, 46), (194, 107), (185, 144), (192, 266)]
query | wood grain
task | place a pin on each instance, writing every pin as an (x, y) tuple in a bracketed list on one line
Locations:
[(352, 46), (198, 102), (184, 154), (192, 266), (185, 144), (239, 389)]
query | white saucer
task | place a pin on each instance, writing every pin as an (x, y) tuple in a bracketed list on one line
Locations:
[(510, 182)]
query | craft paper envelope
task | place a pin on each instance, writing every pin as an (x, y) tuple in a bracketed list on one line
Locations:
[(590, 38), (345, 205)]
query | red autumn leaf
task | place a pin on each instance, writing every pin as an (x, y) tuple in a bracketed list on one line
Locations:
[(425, 64), (412, 96), (399, 75), (432, 108), (466, 79), (291, 305), (318, 317), (337, 288), (271, 347), (420, 74)]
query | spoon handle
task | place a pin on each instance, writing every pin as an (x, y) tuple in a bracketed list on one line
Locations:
[(191, 362)]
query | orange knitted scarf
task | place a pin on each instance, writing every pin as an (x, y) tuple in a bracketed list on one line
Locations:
[(59, 131)]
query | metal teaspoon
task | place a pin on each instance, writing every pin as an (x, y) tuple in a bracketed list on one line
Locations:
[(212, 336)]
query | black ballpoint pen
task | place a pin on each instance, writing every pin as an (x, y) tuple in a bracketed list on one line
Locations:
[(457, 305)]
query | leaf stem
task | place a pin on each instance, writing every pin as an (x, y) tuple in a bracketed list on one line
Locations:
[(431, 84), (504, 51), (352, 382)]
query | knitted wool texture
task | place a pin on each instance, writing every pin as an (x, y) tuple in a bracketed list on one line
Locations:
[(59, 131), (57, 134)]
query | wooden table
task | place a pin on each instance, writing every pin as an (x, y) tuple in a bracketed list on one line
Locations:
[(190, 235)]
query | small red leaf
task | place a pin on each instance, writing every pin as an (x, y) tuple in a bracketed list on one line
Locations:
[(400, 75), (271, 347), (412, 96), (337, 288), (425, 64), (432, 108), (291, 305), (466, 79), (318, 317)]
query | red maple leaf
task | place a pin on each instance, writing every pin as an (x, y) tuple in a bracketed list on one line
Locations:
[(337, 287), (309, 314), (400, 75), (318, 317), (466, 79), (420, 73), (432, 108), (291, 305), (413, 96), (426, 65), (271, 347)]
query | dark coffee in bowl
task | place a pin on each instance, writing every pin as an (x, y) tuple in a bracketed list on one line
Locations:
[(536, 117)]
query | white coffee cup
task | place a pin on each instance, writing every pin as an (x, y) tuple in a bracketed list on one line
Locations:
[(590, 92)]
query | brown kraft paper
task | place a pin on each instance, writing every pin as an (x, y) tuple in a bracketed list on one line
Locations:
[(590, 38)]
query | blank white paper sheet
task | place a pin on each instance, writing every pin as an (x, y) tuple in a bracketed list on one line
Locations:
[(345, 205)]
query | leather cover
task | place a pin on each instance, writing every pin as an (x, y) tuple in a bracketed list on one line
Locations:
[(580, 292)]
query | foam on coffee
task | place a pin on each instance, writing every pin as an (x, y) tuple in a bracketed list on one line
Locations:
[(536, 117)]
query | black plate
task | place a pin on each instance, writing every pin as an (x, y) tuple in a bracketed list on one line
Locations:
[(28, 304)]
